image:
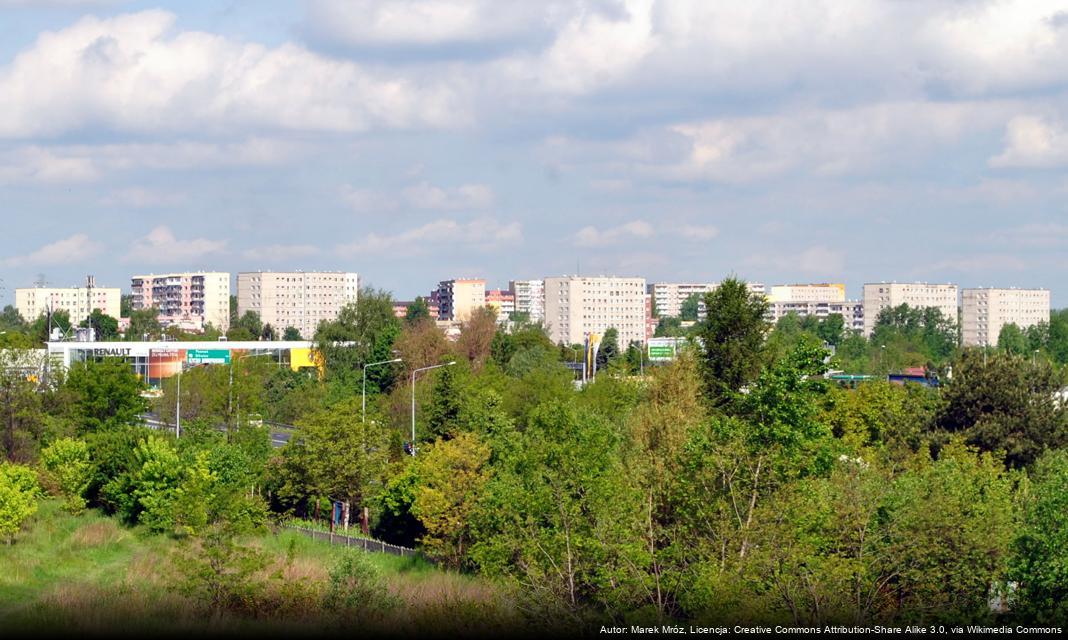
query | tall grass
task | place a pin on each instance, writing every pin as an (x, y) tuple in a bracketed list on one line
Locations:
[(89, 573)]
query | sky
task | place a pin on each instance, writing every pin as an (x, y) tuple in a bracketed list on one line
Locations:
[(781, 141)]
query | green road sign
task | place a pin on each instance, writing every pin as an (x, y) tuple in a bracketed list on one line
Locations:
[(207, 356), (661, 352)]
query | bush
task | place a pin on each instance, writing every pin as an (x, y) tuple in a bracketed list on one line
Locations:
[(66, 463), (357, 590), (18, 498)]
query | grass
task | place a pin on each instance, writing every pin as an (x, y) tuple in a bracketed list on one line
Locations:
[(89, 573)]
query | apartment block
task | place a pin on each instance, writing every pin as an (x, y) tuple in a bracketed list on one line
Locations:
[(185, 299), (296, 299), (503, 302), (881, 295), (822, 292), (852, 311), (79, 302), (668, 297), (457, 299), (529, 298), (985, 311), (578, 305)]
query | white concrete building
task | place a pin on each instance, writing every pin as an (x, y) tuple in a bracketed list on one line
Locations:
[(79, 302), (579, 305), (821, 292), (297, 299), (529, 298), (985, 311), (852, 311), (670, 296), (881, 295), (457, 299), (185, 299)]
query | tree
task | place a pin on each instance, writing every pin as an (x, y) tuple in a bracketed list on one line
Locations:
[(363, 332), (248, 327), (452, 477), (107, 328), (417, 311), (11, 320), (21, 409), (443, 411), (105, 394), (346, 457), (66, 462), (1040, 559), (18, 498), (832, 329), (144, 325), (609, 349), (422, 345), (732, 338), (291, 333), (476, 336), (559, 512), (268, 333), (1005, 403), (690, 307), (42, 327), (1013, 340)]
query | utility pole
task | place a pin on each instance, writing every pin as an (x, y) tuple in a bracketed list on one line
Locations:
[(178, 405), (436, 366)]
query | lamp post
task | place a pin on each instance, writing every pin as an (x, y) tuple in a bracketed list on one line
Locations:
[(436, 366), (372, 364), (178, 404)]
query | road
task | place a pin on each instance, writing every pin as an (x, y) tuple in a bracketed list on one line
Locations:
[(280, 433)]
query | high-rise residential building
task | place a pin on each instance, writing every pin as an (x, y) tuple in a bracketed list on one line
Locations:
[(668, 297), (881, 295), (822, 292), (529, 298), (985, 311), (578, 305), (78, 302), (457, 299), (186, 299), (400, 308), (299, 299), (503, 302), (852, 311)]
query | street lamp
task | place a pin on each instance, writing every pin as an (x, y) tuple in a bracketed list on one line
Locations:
[(372, 364), (436, 366)]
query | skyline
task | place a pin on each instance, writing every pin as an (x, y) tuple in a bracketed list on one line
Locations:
[(674, 142)]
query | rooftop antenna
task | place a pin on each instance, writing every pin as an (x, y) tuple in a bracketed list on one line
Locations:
[(40, 282)]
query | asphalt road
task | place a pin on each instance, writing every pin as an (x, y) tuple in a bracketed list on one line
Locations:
[(280, 433)]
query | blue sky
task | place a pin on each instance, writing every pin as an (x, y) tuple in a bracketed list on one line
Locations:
[(784, 141)]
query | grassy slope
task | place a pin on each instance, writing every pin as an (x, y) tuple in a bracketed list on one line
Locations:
[(90, 573)]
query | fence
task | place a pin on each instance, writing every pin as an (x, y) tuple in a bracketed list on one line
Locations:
[(365, 543)]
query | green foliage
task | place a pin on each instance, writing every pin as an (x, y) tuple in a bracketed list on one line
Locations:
[(609, 348), (1012, 340), (18, 498), (1040, 562), (370, 328), (144, 325), (21, 407), (690, 307), (452, 477), (345, 458), (220, 572), (67, 464), (733, 340), (1006, 404), (889, 417), (104, 394), (417, 311), (357, 591), (922, 331), (291, 333)]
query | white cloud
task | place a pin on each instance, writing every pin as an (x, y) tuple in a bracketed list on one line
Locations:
[(816, 260), (377, 23), (280, 252), (1033, 141), (67, 251), (43, 165), (486, 234), (160, 246), (135, 72), (591, 236), (468, 196), (422, 195), (142, 198), (698, 232)]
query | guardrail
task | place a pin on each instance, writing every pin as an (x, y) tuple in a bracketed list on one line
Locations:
[(367, 544)]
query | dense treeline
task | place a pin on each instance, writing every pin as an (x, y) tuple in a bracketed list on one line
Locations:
[(735, 484)]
